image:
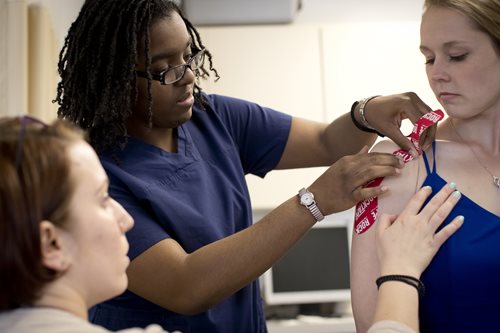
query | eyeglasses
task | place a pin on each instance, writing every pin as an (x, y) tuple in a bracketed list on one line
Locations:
[(25, 121), (176, 73)]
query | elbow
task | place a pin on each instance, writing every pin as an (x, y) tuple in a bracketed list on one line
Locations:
[(362, 327), (190, 305), (191, 309), (362, 323), (192, 300), (362, 319)]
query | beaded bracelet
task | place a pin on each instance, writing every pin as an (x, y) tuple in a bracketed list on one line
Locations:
[(410, 280), (365, 126)]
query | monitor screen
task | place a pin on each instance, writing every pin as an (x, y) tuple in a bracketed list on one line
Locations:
[(316, 269)]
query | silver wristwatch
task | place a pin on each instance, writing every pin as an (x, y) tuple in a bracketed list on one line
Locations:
[(307, 199)]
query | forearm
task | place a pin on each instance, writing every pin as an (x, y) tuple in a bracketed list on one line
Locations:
[(399, 302), (312, 144), (192, 283), (188, 283), (343, 130), (235, 261)]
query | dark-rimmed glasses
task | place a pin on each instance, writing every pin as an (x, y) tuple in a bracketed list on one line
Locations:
[(176, 73), (25, 121)]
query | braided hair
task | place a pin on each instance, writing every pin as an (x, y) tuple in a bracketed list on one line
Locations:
[(97, 65)]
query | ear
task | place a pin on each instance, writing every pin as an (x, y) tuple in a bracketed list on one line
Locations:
[(54, 254)]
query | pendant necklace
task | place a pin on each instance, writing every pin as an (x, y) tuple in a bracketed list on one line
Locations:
[(496, 180)]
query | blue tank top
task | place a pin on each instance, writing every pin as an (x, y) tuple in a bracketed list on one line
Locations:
[(463, 280)]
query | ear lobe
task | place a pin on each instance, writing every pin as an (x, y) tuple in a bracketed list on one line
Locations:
[(53, 254)]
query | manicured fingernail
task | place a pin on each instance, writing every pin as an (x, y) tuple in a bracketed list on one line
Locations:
[(460, 219), (427, 188), (452, 185), (456, 194)]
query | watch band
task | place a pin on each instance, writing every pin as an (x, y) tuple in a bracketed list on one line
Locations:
[(311, 206)]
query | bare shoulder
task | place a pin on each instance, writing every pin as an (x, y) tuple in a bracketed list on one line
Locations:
[(409, 179), (402, 186), (385, 146)]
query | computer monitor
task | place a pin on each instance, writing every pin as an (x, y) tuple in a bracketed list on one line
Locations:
[(316, 269)]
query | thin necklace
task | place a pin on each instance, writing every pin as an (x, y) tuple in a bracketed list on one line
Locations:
[(496, 180)]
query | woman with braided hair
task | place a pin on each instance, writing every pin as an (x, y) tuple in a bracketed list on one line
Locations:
[(177, 158)]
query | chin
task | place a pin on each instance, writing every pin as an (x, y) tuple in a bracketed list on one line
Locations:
[(183, 120), (188, 114), (120, 285), (115, 288)]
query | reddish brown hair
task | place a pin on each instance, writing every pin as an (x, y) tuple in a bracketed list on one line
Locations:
[(38, 188)]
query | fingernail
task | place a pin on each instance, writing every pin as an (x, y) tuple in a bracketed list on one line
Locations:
[(397, 171), (384, 188), (456, 194), (460, 219), (452, 185), (427, 188)]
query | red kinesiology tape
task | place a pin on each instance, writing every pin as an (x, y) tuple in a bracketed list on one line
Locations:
[(366, 211)]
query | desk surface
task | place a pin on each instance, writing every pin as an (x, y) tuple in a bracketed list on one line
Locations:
[(312, 324)]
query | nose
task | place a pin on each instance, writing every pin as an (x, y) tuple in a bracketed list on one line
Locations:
[(125, 221), (188, 76), (438, 71)]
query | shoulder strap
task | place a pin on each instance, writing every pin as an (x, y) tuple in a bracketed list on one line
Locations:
[(429, 171)]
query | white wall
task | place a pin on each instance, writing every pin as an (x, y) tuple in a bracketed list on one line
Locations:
[(368, 58)]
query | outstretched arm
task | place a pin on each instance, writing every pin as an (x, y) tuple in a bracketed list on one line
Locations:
[(190, 283), (317, 144)]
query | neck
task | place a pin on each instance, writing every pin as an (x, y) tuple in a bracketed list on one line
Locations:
[(482, 133), (484, 150), (164, 138), (58, 296)]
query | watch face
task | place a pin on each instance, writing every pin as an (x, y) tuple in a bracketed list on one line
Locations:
[(306, 199)]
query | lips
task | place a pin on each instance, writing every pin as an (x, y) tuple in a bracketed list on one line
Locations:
[(445, 96), (184, 97), (186, 101)]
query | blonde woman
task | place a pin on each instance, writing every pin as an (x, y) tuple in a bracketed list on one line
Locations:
[(460, 40)]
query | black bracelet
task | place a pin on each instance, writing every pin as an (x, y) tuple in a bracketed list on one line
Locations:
[(403, 278), (360, 126)]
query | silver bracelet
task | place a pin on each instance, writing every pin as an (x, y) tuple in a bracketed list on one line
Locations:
[(362, 105)]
